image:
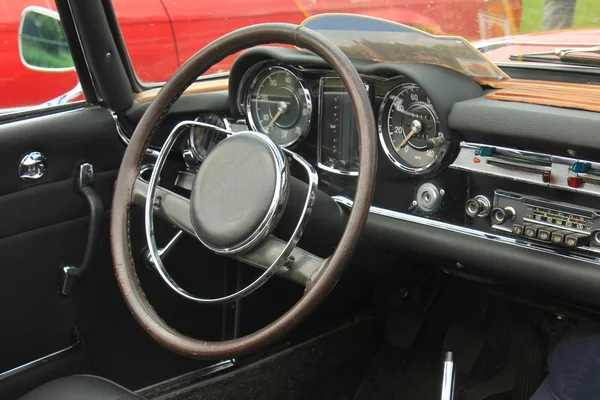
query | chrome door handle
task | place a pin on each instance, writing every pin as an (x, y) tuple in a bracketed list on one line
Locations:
[(32, 166)]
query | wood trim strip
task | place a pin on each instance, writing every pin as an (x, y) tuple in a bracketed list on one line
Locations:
[(196, 87), (555, 94)]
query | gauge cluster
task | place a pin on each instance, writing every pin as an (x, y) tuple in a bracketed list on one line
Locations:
[(293, 104), (338, 146), (279, 105), (410, 130)]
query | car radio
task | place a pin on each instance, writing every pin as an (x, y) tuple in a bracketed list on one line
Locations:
[(540, 220)]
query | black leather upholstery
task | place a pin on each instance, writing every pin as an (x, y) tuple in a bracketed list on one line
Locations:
[(84, 387)]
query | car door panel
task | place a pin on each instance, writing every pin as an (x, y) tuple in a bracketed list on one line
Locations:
[(44, 226)]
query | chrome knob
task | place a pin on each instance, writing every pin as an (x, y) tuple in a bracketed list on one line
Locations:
[(501, 215), (479, 206)]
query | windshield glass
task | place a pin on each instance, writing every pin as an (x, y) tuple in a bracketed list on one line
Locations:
[(161, 35)]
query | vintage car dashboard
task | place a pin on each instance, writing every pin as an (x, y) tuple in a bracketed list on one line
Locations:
[(505, 190)]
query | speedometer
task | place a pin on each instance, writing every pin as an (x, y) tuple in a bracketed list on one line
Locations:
[(279, 105), (409, 130)]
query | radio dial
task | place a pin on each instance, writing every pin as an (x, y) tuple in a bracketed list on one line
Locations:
[(501, 215)]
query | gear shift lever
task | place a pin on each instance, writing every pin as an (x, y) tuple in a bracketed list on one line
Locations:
[(448, 377)]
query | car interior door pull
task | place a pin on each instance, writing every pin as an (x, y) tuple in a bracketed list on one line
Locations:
[(32, 166), (83, 184)]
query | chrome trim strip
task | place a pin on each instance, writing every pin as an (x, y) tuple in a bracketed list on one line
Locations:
[(125, 139), (501, 162), (448, 377), (336, 171), (40, 361), (181, 382), (467, 231)]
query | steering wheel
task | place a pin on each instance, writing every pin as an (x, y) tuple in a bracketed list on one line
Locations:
[(237, 198)]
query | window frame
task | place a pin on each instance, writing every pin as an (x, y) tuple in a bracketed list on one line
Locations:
[(81, 69)]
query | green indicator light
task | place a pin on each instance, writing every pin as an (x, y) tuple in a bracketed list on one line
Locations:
[(579, 168), (486, 151)]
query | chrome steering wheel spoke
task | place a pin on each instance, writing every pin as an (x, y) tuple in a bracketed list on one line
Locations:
[(273, 255)]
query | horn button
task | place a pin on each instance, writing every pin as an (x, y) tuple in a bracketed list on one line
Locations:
[(239, 193)]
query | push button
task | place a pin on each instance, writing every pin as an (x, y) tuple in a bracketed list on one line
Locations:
[(558, 237), (544, 234), (518, 229), (531, 231), (576, 240)]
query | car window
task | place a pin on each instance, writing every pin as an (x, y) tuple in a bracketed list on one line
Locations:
[(37, 68), (161, 35)]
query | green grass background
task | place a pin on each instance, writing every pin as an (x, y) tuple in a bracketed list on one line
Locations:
[(587, 15)]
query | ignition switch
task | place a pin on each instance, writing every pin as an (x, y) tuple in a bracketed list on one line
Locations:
[(429, 197)]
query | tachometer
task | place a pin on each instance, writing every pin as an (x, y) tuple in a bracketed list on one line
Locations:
[(409, 129), (279, 105)]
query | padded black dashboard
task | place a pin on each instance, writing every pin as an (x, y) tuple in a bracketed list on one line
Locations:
[(527, 126)]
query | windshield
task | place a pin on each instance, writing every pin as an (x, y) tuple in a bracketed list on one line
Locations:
[(161, 35)]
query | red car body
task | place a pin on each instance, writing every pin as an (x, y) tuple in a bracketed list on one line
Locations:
[(503, 48), (161, 35)]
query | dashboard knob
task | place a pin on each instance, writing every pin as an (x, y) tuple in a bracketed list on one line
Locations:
[(501, 215), (478, 207)]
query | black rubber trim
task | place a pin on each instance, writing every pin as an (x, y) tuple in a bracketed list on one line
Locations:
[(81, 67), (551, 274), (102, 54), (530, 126), (41, 111)]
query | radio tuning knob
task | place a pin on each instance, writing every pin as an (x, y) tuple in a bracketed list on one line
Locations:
[(501, 215), (478, 207)]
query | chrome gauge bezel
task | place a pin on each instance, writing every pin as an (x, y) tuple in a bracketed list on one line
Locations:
[(193, 132), (268, 70), (384, 137)]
